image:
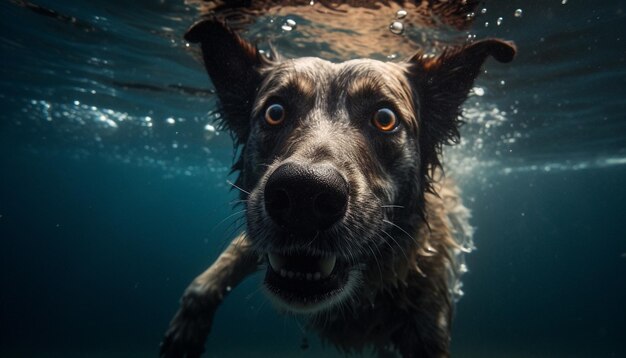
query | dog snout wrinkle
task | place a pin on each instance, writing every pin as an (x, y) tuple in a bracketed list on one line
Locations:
[(306, 198)]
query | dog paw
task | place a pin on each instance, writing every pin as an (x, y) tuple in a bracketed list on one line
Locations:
[(190, 327)]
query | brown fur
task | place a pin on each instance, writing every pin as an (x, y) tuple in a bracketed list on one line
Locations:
[(404, 299)]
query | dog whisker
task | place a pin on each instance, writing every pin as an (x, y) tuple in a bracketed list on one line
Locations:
[(254, 292), (228, 217), (400, 247), (300, 325), (380, 272), (227, 232), (237, 187), (240, 224), (308, 245), (399, 228)]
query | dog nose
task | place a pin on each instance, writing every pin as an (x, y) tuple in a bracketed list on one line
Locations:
[(307, 198)]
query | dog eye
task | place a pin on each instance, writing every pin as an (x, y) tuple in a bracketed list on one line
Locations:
[(275, 114), (385, 120)]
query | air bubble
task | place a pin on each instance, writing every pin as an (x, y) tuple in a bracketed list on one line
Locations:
[(483, 11), (209, 132), (289, 25), (479, 91), (401, 14), (486, 23), (499, 21), (106, 122), (396, 27), (170, 120), (518, 13)]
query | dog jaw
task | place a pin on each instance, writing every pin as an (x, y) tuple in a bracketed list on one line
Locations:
[(325, 291)]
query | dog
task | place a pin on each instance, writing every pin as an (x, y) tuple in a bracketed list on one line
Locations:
[(347, 207)]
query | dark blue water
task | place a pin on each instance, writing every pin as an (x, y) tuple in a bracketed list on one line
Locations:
[(113, 191)]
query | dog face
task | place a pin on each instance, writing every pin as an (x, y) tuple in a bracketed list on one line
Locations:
[(335, 157), (331, 147)]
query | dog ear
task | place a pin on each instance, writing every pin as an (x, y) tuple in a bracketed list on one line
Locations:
[(233, 65), (443, 84)]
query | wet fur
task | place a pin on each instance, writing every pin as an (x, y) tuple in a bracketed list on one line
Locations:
[(403, 229)]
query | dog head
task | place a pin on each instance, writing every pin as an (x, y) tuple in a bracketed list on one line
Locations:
[(336, 157)]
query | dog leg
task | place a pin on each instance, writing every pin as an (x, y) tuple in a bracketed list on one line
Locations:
[(191, 325)]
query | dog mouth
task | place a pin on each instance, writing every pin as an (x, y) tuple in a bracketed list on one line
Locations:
[(306, 283)]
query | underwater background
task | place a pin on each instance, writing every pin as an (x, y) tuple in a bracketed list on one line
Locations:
[(114, 193)]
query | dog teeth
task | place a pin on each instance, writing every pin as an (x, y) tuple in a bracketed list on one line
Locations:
[(309, 276), (276, 261), (325, 267), (327, 264)]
